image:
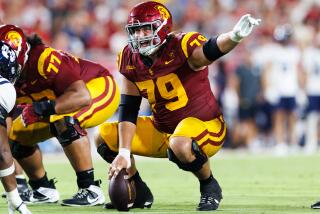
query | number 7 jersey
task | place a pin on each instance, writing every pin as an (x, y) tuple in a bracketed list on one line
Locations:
[(173, 89)]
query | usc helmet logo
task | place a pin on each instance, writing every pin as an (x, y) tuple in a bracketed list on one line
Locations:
[(14, 39), (164, 13)]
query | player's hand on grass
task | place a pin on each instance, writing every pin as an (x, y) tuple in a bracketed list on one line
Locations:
[(244, 27)]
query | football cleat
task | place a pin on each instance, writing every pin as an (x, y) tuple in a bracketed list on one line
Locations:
[(208, 201), (211, 195), (316, 205), (41, 195), (91, 196), (144, 197)]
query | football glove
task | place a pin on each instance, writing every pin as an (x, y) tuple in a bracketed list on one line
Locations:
[(243, 28), (36, 112)]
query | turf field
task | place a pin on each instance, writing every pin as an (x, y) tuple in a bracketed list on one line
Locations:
[(250, 183)]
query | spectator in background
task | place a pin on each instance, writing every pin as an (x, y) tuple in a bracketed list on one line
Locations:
[(248, 90), (311, 68)]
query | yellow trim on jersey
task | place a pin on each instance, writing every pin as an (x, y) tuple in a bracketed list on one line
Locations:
[(41, 60), (119, 59), (184, 42)]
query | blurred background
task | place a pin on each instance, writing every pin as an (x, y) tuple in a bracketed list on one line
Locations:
[(268, 87)]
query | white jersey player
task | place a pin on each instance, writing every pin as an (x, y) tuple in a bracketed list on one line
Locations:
[(9, 72), (281, 78), (311, 65)]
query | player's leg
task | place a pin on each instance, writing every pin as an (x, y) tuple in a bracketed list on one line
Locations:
[(22, 183), (30, 158), (311, 142), (146, 142), (76, 146), (291, 108), (70, 132), (7, 175), (190, 146)]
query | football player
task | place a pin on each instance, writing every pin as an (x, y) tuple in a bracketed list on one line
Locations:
[(9, 71), (60, 96), (171, 71)]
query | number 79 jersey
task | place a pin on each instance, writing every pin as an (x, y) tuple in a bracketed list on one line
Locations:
[(173, 89)]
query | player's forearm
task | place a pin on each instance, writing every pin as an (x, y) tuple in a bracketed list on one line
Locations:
[(75, 97), (225, 44), (126, 133), (72, 101)]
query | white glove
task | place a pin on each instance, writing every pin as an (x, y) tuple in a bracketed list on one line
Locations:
[(23, 209), (243, 28)]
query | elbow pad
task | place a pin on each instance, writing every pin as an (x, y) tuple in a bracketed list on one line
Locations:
[(211, 49), (129, 108)]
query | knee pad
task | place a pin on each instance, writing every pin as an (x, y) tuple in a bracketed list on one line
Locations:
[(194, 166), (106, 153), (67, 130), (20, 151)]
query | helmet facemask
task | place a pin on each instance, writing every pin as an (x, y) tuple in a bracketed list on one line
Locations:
[(146, 45), (9, 67)]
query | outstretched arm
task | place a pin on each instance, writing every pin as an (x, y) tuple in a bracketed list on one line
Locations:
[(217, 47)]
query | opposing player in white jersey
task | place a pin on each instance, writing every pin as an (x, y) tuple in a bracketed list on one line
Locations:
[(9, 72), (281, 84)]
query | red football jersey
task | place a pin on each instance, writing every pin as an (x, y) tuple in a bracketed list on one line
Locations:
[(173, 89), (48, 72)]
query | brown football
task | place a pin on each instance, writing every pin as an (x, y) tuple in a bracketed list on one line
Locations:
[(122, 192)]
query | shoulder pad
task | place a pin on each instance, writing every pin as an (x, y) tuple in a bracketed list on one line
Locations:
[(49, 61), (190, 41)]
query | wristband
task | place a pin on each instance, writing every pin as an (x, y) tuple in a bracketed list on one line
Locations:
[(126, 154), (235, 37)]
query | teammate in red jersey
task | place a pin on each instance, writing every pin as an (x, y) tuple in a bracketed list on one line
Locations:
[(170, 70), (59, 96)]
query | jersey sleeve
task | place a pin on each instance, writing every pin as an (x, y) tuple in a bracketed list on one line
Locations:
[(190, 41), (124, 66), (7, 95), (119, 59), (7, 99), (59, 66)]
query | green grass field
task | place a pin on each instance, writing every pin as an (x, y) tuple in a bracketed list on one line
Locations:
[(250, 183)]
